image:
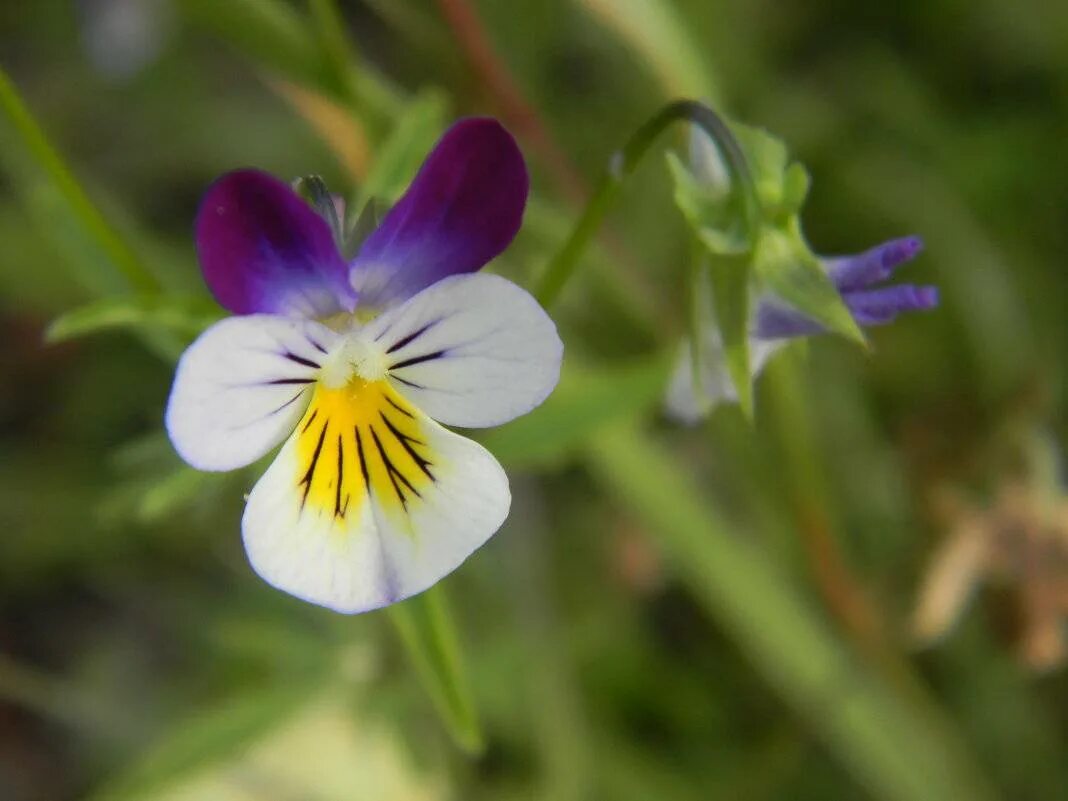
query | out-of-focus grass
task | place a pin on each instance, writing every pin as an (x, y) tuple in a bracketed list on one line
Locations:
[(612, 642)]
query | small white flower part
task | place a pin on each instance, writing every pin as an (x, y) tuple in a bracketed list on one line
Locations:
[(241, 387), (370, 499), (687, 402)]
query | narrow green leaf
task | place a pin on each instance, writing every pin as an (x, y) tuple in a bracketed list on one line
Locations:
[(886, 740), (184, 316), (416, 129), (584, 401), (30, 157), (429, 635), (786, 265)]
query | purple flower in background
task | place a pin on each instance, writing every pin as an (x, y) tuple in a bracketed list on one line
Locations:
[(355, 366), (858, 278)]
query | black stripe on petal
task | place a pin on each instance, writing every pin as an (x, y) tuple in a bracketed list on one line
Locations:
[(306, 482), (339, 510), (299, 359), (363, 461), (405, 381), (407, 443), (407, 340), (398, 407), (394, 473), (426, 357)]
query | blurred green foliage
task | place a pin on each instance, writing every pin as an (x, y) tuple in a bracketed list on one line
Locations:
[(721, 612)]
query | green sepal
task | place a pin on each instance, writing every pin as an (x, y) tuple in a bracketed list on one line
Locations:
[(362, 227), (730, 282), (796, 183), (786, 265), (715, 213), (768, 160), (314, 190)]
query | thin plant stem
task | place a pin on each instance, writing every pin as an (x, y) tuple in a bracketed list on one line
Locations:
[(425, 626), (623, 163)]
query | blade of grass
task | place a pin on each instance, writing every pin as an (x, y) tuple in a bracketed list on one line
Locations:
[(890, 747), (187, 317), (29, 147), (270, 33), (659, 34)]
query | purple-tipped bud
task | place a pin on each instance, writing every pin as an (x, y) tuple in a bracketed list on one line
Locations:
[(854, 277), (873, 265), (879, 306)]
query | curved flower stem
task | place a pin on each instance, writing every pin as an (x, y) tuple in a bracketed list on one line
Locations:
[(623, 164)]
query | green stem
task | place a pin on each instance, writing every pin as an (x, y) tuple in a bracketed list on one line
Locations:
[(48, 160), (624, 162), (426, 628)]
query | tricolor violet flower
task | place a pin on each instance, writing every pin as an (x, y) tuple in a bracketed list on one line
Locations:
[(356, 366), (858, 279)]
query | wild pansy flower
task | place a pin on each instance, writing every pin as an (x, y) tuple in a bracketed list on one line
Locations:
[(859, 280), (357, 366)]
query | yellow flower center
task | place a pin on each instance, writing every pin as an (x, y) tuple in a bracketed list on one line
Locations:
[(359, 439)]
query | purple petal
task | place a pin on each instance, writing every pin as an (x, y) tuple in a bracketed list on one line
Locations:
[(879, 306), (263, 249), (776, 320), (873, 265), (463, 208)]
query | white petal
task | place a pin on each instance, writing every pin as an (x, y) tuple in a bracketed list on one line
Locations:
[(706, 161), (370, 502), (688, 404), (241, 387), (471, 350)]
